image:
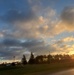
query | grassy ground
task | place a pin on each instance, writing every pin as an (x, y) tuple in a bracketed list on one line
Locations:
[(40, 69)]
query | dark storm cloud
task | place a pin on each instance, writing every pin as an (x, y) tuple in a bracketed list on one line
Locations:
[(30, 43), (19, 10), (11, 42), (7, 53), (14, 47), (17, 15), (17, 42), (68, 15)]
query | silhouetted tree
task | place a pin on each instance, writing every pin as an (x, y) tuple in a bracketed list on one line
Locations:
[(13, 64), (31, 60), (24, 61), (39, 59), (66, 58), (50, 58)]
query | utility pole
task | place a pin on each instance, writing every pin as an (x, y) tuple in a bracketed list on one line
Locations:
[(13, 58)]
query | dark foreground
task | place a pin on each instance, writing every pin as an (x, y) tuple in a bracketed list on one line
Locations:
[(37, 69), (67, 72)]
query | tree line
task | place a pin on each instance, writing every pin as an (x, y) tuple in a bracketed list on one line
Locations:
[(42, 59)]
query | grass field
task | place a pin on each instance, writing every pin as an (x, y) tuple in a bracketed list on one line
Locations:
[(38, 69)]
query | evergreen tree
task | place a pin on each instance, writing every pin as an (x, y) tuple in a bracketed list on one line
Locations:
[(31, 60), (24, 61)]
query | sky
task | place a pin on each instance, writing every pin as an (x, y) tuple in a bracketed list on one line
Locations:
[(38, 26)]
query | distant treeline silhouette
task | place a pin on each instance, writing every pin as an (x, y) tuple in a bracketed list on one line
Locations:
[(42, 59), (47, 59)]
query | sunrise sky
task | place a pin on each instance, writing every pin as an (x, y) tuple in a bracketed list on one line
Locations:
[(38, 26)]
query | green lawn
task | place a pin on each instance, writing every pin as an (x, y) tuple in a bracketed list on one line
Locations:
[(35, 69)]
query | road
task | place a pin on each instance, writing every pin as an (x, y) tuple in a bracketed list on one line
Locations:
[(68, 72)]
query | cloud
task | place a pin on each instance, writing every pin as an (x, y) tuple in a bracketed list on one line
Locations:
[(21, 20), (15, 15), (29, 23), (33, 24), (57, 25), (63, 46), (64, 41), (67, 17), (11, 42), (13, 47), (1, 34), (16, 47), (68, 39)]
